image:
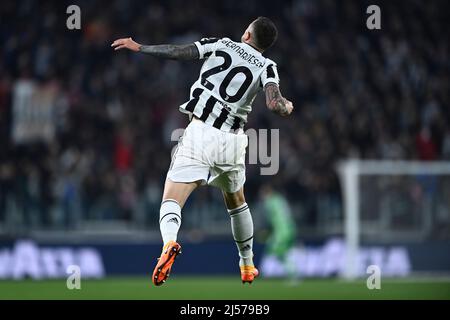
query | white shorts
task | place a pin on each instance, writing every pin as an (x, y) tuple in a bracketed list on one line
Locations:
[(210, 155)]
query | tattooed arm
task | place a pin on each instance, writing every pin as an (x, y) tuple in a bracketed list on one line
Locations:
[(275, 101), (168, 51)]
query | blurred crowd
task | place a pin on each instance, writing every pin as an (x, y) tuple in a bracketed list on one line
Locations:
[(102, 144)]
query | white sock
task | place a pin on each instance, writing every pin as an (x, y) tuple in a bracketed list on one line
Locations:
[(169, 220), (242, 228)]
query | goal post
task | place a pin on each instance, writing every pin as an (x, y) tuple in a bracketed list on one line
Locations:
[(350, 173)]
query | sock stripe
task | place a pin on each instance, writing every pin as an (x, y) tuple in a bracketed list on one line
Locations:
[(242, 241), (169, 200), (238, 208), (232, 213), (168, 214)]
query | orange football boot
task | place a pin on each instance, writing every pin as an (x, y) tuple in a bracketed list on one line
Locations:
[(248, 274), (168, 255)]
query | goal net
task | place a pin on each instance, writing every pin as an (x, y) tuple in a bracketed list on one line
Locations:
[(393, 202)]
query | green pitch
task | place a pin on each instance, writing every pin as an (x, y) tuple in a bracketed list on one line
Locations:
[(225, 288)]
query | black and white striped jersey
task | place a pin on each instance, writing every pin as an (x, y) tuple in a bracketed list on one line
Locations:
[(231, 76)]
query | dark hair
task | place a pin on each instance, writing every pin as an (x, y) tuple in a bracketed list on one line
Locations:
[(265, 33)]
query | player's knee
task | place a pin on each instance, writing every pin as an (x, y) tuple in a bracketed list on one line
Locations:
[(235, 199), (179, 191)]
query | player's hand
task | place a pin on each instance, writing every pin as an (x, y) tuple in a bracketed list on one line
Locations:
[(289, 108), (126, 43)]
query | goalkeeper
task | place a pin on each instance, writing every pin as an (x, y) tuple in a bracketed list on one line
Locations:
[(283, 235)]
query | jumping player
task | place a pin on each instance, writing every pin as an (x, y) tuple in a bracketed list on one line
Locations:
[(212, 149)]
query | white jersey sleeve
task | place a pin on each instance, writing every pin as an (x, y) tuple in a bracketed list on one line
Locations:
[(206, 46), (270, 74)]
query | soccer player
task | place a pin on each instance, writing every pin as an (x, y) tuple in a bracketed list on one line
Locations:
[(212, 149), (282, 223)]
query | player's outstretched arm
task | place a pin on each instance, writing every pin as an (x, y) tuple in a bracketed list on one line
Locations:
[(168, 51), (275, 101)]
